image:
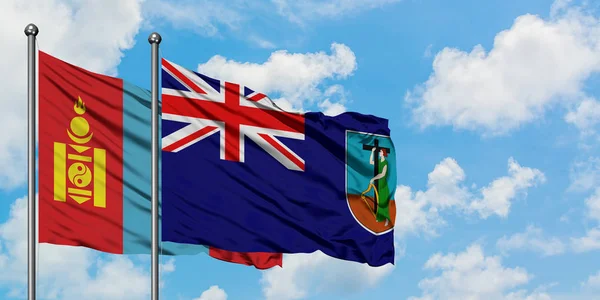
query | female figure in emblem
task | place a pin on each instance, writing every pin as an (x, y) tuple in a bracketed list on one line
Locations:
[(383, 191)]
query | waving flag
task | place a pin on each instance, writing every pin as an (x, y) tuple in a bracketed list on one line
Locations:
[(223, 112), (241, 174), (94, 166)]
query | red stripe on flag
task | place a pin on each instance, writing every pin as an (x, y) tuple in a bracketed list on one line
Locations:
[(257, 97), (189, 138), (80, 157), (232, 129), (260, 260), (180, 76), (234, 113), (284, 151)]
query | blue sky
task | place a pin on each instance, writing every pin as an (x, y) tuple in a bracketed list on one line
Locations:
[(493, 112)]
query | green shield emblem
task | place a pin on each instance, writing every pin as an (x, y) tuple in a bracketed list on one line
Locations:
[(371, 180)]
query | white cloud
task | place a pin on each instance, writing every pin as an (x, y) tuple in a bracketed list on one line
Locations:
[(532, 239), (331, 109), (593, 282), (76, 31), (334, 103), (300, 11), (420, 211), (559, 6), (589, 242), (108, 282), (592, 204), (67, 272), (498, 195), (532, 66), (305, 274), (168, 266), (444, 185), (524, 295), (586, 116), (472, 275), (427, 53), (213, 293), (261, 42), (201, 16), (415, 214), (585, 175), (296, 77), (210, 17)]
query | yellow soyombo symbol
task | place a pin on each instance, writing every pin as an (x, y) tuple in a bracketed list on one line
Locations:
[(80, 166)]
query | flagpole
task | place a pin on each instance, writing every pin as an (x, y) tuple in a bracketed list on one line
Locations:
[(31, 32), (154, 39)]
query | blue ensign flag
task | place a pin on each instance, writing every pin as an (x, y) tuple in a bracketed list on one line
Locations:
[(241, 174)]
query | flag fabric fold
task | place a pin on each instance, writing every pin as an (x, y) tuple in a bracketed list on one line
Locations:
[(241, 174), (94, 166)]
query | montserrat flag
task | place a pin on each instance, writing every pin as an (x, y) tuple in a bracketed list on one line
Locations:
[(241, 174), (94, 166)]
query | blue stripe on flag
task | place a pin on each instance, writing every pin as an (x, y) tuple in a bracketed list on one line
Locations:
[(136, 177)]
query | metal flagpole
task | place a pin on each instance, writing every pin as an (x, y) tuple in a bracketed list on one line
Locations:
[(154, 39), (31, 32)]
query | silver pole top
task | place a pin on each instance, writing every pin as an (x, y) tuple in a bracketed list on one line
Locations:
[(154, 38), (31, 29)]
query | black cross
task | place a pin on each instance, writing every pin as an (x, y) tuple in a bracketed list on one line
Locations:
[(375, 165)]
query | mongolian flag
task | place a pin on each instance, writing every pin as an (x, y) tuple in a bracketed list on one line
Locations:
[(241, 174), (94, 166)]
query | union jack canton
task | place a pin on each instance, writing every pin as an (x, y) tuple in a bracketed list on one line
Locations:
[(211, 106)]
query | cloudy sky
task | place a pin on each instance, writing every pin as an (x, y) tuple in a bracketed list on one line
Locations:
[(493, 110)]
